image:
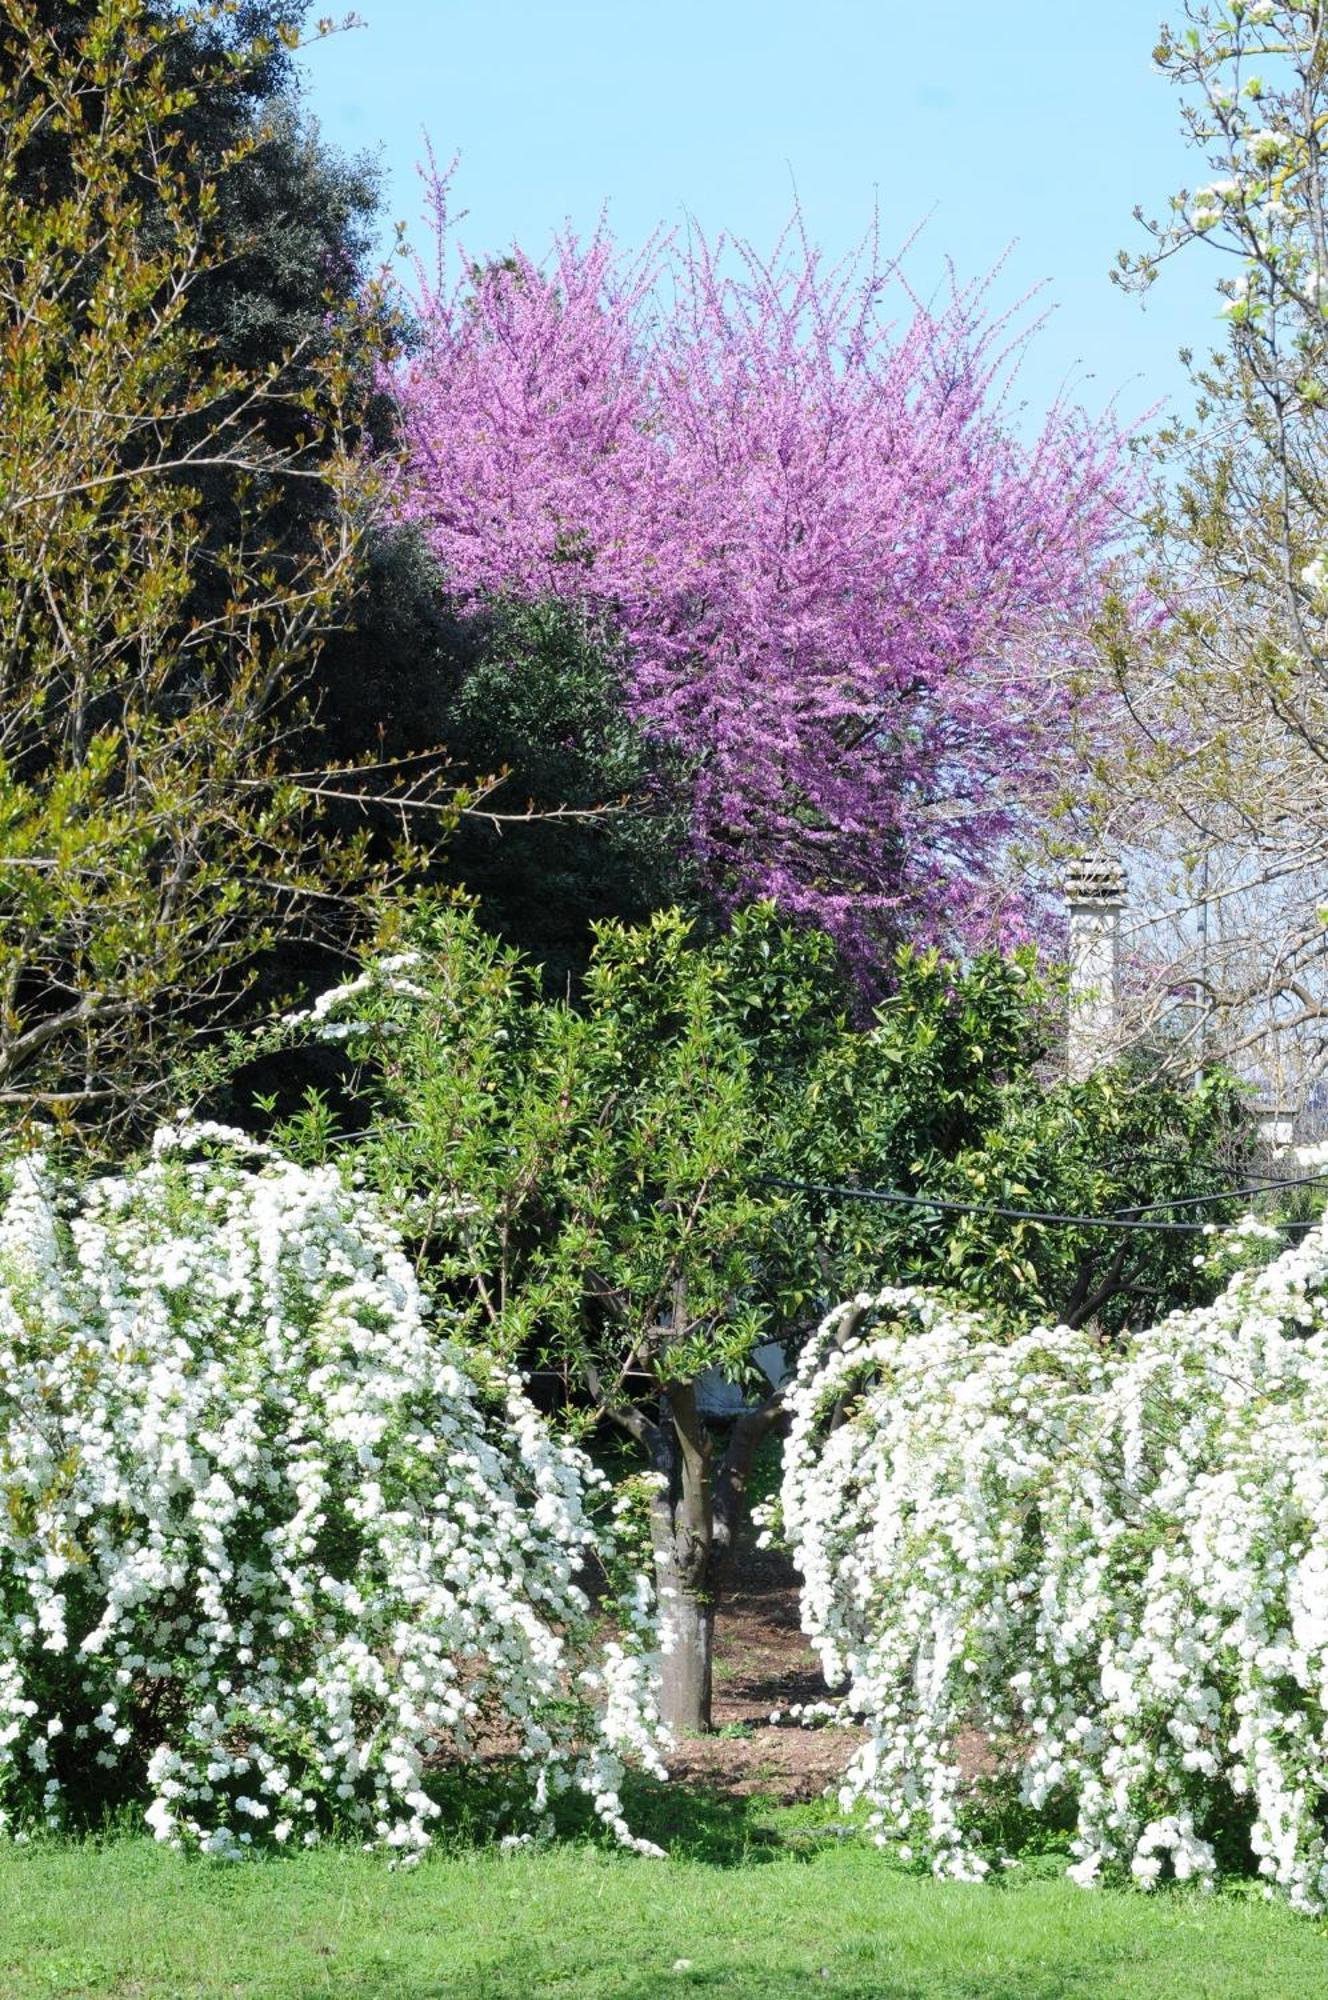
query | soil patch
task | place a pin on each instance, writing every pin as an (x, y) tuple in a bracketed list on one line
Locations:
[(762, 1663)]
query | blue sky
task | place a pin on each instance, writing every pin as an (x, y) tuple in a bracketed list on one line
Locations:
[(1037, 124)]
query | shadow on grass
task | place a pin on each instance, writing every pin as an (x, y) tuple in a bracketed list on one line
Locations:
[(690, 1822), (781, 1983)]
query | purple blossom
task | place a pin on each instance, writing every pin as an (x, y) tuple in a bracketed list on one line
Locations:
[(842, 586)]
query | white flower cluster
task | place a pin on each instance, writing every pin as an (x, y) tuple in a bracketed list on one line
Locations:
[(1314, 574), (381, 975), (1250, 127), (1239, 1246), (1264, 147), (266, 1547), (1115, 1565), (1210, 203)]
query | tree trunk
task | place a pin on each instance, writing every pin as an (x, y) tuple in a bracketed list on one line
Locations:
[(687, 1631), (695, 1517), (694, 1523), (682, 1531)]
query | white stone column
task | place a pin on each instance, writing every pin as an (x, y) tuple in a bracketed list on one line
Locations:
[(1277, 1129), (1095, 893)]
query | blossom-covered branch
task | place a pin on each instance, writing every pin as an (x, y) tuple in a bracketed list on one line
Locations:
[(794, 497), (1116, 1565)]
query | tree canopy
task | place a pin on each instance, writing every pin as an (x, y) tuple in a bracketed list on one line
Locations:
[(1214, 767), (158, 613), (845, 591), (631, 1192)]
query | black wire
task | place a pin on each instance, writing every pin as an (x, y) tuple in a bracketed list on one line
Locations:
[(1225, 1194), (895, 1197)]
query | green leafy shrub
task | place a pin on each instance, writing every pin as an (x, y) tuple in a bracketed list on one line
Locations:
[(633, 1192)]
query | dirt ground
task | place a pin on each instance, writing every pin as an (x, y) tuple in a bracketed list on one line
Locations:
[(763, 1662)]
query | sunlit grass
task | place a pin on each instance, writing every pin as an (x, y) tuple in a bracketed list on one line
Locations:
[(754, 1901)]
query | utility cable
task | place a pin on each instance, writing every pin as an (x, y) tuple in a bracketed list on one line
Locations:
[(897, 1198), (1225, 1194)]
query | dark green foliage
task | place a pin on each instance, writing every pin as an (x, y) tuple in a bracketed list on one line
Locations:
[(1116, 1141), (297, 221), (526, 694), (540, 698), (946, 1096), (388, 681)]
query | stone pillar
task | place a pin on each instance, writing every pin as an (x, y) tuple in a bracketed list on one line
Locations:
[(1277, 1128), (1095, 893)]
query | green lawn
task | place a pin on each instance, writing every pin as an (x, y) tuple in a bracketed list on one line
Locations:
[(761, 1905)]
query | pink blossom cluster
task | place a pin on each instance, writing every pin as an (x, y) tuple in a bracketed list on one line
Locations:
[(842, 587)]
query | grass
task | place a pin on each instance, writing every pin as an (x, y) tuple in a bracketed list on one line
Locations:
[(754, 1902)]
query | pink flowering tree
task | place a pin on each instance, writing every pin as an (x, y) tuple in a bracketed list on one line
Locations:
[(793, 497)]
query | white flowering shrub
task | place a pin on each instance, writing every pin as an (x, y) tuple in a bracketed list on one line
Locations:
[(1113, 1564), (268, 1552), (1239, 1246)]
